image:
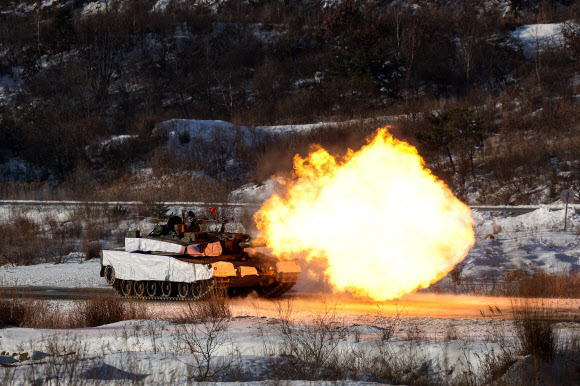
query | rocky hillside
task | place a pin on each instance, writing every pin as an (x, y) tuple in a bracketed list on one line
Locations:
[(487, 90)]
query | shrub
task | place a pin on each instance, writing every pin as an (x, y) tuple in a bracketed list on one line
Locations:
[(16, 310), (44, 314), (99, 309), (95, 310), (91, 249), (216, 306), (12, 308), (201, 332), (158, 210), (119, 212), (21, 242), (535, 330), (542, 284), (312, 349)]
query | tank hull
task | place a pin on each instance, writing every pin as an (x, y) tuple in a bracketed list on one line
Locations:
[(153, 275)]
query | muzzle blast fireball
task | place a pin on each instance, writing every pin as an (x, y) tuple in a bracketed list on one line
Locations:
[(380, 223)]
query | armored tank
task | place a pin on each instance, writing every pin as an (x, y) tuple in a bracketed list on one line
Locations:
[(179, 261)]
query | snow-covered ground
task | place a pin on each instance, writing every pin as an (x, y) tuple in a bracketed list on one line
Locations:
[(74, 273), (532, 240), (183, 133), (251, 345)]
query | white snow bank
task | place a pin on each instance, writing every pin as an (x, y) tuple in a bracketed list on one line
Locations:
[(72, 274), (535, 240), (181, 132), (255, 193), (536, 37), (220, 143), (116, 139), (94, 7), (160, 6)]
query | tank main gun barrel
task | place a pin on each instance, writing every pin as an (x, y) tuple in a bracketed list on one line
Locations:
[(254, 243)]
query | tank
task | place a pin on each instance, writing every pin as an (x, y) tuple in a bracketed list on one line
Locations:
[(179, 261)]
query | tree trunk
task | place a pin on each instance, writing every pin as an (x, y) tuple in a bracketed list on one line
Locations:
[(450, 158)]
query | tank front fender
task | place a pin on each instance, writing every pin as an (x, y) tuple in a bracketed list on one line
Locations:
[(224, 269), (291, 266)]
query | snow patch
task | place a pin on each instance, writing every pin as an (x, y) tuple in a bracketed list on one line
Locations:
[(537, 37), (116, 140), (255, 193)]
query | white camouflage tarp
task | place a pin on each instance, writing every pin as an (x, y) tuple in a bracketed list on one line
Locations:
[(139, 266)]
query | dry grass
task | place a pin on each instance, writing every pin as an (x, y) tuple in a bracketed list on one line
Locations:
[(22, 312), (540, 354), (311, 347), (35, 190), (495, 364), (535, 330), (542, 284), (100, 309), (28, 238), (164, 187), (214, 307), (95, 310), (519, 283), (12, 308), (21, 242)]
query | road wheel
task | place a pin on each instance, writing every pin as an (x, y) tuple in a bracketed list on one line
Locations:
[(196, 290), (281, 285), (117, 286), (183, 290), (166, 289), (205, 289), (151, 288), (109, 275), (139, 288), (127, 287)]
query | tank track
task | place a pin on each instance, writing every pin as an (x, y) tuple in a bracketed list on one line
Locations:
[(280, 286), (218, 286), (129, 289)]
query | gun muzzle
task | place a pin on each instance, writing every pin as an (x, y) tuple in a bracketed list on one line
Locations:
[(254, 243)]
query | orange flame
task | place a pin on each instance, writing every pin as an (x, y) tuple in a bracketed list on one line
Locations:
[(384, 225)]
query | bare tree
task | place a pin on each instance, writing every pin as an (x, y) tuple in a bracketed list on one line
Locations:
[(101, 38), (202, 333)]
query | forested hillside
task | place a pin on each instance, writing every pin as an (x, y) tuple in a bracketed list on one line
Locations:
[(489, 92)]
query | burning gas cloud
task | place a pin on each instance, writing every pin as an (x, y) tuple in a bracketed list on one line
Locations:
[(383, 224)]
